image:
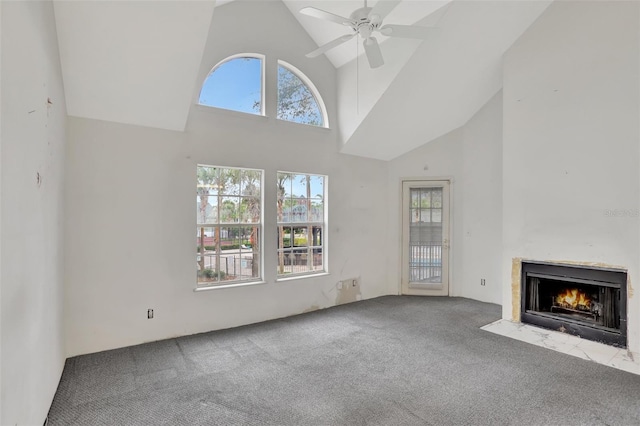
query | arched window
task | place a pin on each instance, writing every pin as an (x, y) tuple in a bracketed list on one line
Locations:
[(236, 84), (298, 99)]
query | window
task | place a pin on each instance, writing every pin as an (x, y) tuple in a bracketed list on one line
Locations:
[(301, 224), (236, 84), (298, 99), (229, 225)]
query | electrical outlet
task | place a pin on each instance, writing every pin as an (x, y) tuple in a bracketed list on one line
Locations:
[(149, 313), (348, 290), (483, 281)]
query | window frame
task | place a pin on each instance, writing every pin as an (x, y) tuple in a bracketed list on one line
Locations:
[(309, 224), (312, 88), (200, 226), (263, 98)]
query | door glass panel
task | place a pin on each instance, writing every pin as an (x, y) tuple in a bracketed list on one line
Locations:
[(436, 215), (437, 199), (414, 215), (425, 236), (415, 199)]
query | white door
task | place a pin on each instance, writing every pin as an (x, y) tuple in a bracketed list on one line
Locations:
[(425, 238)]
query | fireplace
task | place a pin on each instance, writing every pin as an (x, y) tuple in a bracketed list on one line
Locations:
[(588, 302)]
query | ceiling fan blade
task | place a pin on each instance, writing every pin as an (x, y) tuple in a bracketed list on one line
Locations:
[(372, 50), (382, 9), (321, 14), (337, 42), (409, 31)]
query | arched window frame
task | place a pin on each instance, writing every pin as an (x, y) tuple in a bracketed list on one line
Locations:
[(262, 79), (263, 84), (312, 88)]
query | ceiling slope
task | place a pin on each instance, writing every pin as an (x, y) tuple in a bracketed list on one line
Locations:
[(360, 87), (132, 62), (445, 82)]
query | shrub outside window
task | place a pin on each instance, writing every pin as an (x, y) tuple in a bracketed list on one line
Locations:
[(229, 225), (301, 224)]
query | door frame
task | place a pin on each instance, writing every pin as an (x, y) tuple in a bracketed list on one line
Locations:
[(427, 181)]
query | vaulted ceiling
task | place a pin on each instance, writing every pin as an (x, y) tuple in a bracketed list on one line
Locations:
[(137, 62)]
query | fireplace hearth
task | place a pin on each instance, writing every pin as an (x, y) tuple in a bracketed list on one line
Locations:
[(585, 301)]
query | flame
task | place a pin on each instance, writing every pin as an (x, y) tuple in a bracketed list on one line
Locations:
[(573, 298)]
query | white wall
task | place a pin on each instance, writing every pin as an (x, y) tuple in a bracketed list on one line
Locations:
[(481, 183), (33, 139), (131, 204), (470, 156), (361, 87), (571, 139)]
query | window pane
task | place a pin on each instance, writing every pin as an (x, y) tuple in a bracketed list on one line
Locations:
[(206, 210), (228, 252), (436, 215), (317, 186), (287, 240), (295, 101), (425, 237), (207, 178), (284, 184), (297, 212), (425, 198), (317, 210), (299, 186), (205, 255), (230, 183), (235, 85), (415, 215), (436, 195), (249, 210), (415, 199), (300, 245), (316, 237), (229, 210), (237, 254), (250, 184)]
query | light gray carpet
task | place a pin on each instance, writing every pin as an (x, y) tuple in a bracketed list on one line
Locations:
[(388, 361)]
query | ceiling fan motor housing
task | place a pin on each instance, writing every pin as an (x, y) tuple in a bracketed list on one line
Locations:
[(364, 25)]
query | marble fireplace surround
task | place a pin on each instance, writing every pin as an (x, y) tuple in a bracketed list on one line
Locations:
[(622, 359)]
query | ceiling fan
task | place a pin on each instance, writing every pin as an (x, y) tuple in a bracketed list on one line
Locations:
[(364, 22)]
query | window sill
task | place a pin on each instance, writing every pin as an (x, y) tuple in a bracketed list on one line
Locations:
[(220, 287), (229, 112), (299, 277), (301, 125)]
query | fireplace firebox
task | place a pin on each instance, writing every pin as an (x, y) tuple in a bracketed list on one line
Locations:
[(588, 302)]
